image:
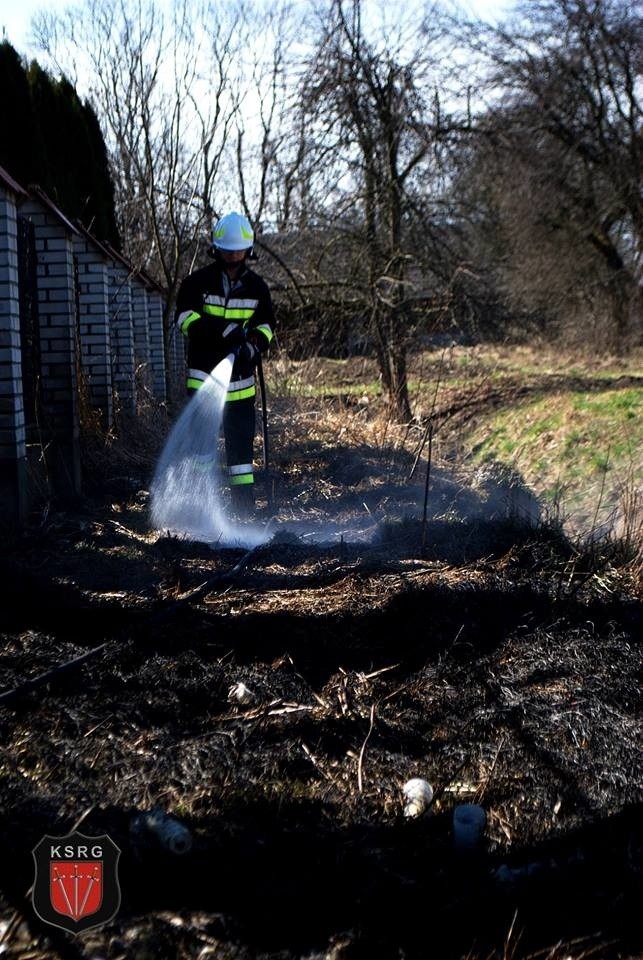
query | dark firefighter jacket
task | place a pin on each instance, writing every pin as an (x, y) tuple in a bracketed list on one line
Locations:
[(213, 311)]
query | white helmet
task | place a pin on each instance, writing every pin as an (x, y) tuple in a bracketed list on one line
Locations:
[(232, 232)]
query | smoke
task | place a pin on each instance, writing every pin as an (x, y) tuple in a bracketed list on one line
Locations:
[(187, 490)]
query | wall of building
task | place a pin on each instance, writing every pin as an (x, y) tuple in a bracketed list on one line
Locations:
[(80, 330), (13, 449)]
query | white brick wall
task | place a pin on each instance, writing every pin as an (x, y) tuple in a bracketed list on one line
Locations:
[(110, 324), (157, 348), (94, 326), (13, 448), (122, 337), (58, 344), (141, 333)]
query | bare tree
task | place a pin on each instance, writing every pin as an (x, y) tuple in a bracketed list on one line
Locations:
[(560, 158), (368, 127), (162, 91), (269, 153)]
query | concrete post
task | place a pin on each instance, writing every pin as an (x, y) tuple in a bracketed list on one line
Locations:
[(122, 337), (157, 346), (142, 356), (59, 337), (13, 450), (93, 289)]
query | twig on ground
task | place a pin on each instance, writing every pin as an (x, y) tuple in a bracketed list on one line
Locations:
[(360, 762), (419, 452), (376, 673), (318, 766), (426, 485), (491, 768), (54, 673)]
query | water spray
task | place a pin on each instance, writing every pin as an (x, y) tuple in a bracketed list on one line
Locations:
[(186, 492)]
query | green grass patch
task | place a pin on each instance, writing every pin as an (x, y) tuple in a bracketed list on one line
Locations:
[(570, 425), (372, 389), (497, 362), (581, 449)]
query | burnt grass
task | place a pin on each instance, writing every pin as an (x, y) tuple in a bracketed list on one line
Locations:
[(484, 653)]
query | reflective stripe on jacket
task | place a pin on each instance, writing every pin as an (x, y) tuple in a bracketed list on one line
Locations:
[(212, 312)]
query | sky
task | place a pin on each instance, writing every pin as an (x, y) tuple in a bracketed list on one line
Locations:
[(15, 17)]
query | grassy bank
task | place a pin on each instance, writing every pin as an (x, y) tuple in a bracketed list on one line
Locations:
[(571, 427), (580, 451)]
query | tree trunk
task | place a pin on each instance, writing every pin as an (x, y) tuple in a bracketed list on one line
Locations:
[(624, 295), (398, 385), (391, 359)]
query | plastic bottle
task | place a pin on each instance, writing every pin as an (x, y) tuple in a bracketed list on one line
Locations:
[(167, 831)]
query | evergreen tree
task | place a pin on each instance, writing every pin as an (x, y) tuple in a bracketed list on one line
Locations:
[(54, 140), (20, 144), (101, 187)]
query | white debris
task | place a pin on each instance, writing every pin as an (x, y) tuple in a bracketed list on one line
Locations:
[(418, 795), (240, 693)]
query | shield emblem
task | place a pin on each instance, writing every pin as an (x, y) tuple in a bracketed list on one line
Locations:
[(76, 881)]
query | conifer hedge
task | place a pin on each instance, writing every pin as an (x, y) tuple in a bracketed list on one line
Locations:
[(50, 138)]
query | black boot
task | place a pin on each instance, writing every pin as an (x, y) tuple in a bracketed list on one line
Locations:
[(242, 501)]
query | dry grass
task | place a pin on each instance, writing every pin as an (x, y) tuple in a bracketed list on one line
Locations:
[(566, 425)]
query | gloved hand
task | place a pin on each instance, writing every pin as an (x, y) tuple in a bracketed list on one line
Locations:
[(248, 352), (235, 337)]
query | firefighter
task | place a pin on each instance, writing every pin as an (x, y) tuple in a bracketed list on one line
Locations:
[(222, 308)]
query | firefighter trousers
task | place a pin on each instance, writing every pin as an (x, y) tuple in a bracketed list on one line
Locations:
[(239, 434)]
